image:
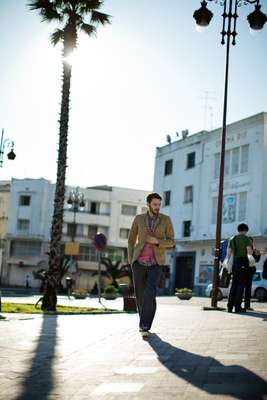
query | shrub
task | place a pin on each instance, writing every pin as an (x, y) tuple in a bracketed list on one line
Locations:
[(110, 289), (183, 290)]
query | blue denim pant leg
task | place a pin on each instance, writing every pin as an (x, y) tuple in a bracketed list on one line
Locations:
[(149, 299)]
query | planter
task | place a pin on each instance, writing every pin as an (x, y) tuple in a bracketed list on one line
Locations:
[(184, 296), (109, 296), (79, 295)]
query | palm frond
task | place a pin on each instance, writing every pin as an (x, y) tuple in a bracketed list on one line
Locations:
[(36, 4), (86, 6), (88, 29), (57, 36), (99, 17), (46, 9)]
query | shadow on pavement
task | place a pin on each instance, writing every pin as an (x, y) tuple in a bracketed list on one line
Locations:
[(208, 374), (39, 380), (257, 314)]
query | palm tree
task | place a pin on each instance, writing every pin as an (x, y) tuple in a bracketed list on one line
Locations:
[(73, 16)]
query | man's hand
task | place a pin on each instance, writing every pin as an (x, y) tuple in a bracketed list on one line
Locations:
[(152, 240)]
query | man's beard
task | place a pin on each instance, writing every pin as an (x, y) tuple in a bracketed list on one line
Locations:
[(154, 213)]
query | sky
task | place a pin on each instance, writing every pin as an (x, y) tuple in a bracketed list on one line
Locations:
[(144, 76)]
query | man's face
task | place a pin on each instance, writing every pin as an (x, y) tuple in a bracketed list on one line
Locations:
[(154, 206)]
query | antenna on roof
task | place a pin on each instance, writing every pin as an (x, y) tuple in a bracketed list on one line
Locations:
[(185, 133)]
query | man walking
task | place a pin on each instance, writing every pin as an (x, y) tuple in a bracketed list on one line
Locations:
[(240, 247), (150, 236)]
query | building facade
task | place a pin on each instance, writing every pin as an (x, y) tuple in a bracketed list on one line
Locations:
[(109, 210), (187, 174), (4, 206), (28, 231)]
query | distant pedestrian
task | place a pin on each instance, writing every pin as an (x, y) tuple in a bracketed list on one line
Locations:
[(27, 284), (240, 247), (249, 278), (150, 236)]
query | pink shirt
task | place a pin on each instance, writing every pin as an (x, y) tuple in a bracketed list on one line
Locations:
[(147, 254)]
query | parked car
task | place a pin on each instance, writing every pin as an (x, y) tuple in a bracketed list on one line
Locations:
[(258, 290)]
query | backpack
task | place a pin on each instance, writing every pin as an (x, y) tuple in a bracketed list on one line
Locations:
[(223, 249)]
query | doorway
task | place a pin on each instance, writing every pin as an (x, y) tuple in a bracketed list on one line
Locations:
[(185, 270)]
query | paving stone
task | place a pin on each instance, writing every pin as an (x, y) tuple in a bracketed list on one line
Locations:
[(137, 370), (104, 357), (120, 387)]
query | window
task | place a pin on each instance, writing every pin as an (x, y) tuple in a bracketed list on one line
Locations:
[(235, 161), (128, 210), (88, 253), (168, 167), (244, 158), (190, 160), (187, 228), (94, 207), (227, 163), (188, 194), (103, 229), (79, 230), (23, 225), (167, 198), (25, 200), (124, 233), (256, 276), (92, 231), (115, 254), (25, 248), (104, 208), (242, 206), (217, 164)]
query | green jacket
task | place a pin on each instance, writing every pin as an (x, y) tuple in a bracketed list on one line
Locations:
[(138, 236)]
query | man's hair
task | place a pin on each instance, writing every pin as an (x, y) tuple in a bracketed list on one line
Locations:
[(152, 196), (242, 228)]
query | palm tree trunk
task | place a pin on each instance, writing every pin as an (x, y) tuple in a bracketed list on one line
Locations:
[(53, 275)]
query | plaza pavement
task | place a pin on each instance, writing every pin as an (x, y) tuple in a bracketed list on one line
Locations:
[(193, 354)]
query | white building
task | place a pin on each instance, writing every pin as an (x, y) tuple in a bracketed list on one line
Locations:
[(186, 173), (109, 210), (28, 230)]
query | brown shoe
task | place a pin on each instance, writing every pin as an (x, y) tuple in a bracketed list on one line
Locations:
[(249, 308)]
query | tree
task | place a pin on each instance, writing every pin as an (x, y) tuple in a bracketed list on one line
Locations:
[(115, 270), (73, 16)]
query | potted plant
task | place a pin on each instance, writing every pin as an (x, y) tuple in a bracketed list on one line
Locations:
[(79, 293), (184, 293), (110, 292)]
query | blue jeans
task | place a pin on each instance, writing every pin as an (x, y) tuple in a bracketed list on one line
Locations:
[(146, 279)]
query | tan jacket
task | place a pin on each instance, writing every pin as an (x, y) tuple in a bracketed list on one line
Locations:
[(138, 236)]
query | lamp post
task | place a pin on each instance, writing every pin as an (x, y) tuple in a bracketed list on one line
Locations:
[(3, 144), (256, 20), (75, 203)]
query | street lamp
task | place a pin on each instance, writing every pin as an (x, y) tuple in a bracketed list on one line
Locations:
[(256, 21), (3, 144), (75, 203)]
